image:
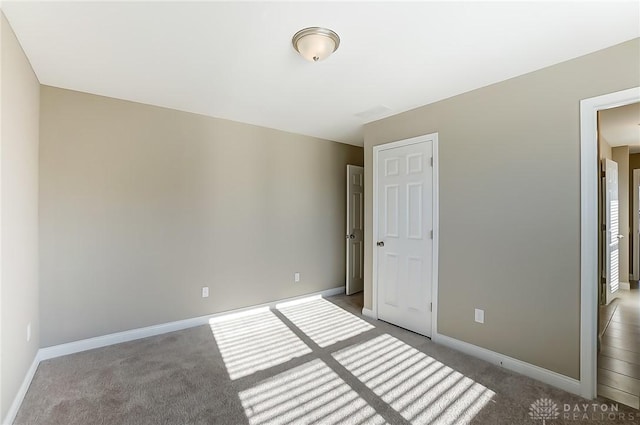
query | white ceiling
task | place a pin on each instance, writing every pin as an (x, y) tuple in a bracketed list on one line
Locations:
[(234, 60), (621, 126)]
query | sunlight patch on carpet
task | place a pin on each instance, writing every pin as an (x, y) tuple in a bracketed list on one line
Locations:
[(322, 321), (254, 341), (310, 393), (421, 389)]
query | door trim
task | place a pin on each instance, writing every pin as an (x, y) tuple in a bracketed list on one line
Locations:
[(589, 230), (433, 137)]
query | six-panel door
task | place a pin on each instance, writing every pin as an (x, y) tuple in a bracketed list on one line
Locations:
[(405, 244)]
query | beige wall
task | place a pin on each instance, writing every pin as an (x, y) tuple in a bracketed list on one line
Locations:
[(620, 155), (634, 164), (604, 149), (510, 205), (142, 206), (18, 214)]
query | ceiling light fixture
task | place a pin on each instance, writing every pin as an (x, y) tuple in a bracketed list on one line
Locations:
[(315, 43)]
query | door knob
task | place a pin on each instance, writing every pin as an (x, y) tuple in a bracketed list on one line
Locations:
[(380, 243)]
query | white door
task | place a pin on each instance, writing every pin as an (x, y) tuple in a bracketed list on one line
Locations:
[(612, 234), (404, 235), (355, 229)]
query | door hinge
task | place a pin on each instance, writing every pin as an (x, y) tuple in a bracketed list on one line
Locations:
[(603, 227), (430, 306), (431, 235), (432, 161)]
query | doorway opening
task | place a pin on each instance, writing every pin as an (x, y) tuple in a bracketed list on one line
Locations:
[(618, 360), (590, 231)]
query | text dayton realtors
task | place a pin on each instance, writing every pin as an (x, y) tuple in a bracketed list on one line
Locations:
[(595, 411)]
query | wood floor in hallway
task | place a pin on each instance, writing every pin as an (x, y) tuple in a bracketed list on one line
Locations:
[(619, 357)]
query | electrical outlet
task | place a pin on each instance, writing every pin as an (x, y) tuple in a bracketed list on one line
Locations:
[(29, 332), (296, 277), (479, 315), (205, 291)]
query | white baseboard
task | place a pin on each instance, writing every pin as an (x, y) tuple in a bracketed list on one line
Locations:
[(139, 333), (532, 371), (22, 391), (369, 313), (119, 337), (130, 335), (626, 286)]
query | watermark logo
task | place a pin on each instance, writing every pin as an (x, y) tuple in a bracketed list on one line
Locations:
[(543, 409)]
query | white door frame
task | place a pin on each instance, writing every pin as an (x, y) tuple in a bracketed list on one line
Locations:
[(589, 166), (433, 137), (635, 261)]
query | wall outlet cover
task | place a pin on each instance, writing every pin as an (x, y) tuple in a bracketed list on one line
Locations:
[(205, 291), (479, 315)]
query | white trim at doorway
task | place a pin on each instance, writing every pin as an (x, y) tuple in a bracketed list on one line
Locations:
[(433, 137), (589, 230)]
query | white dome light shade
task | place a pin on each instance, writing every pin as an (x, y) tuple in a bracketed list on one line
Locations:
[(315, 44)]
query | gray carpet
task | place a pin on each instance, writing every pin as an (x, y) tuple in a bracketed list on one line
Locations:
[(319, 363)]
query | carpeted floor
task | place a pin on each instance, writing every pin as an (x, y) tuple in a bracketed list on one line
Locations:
[(319, 362)]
